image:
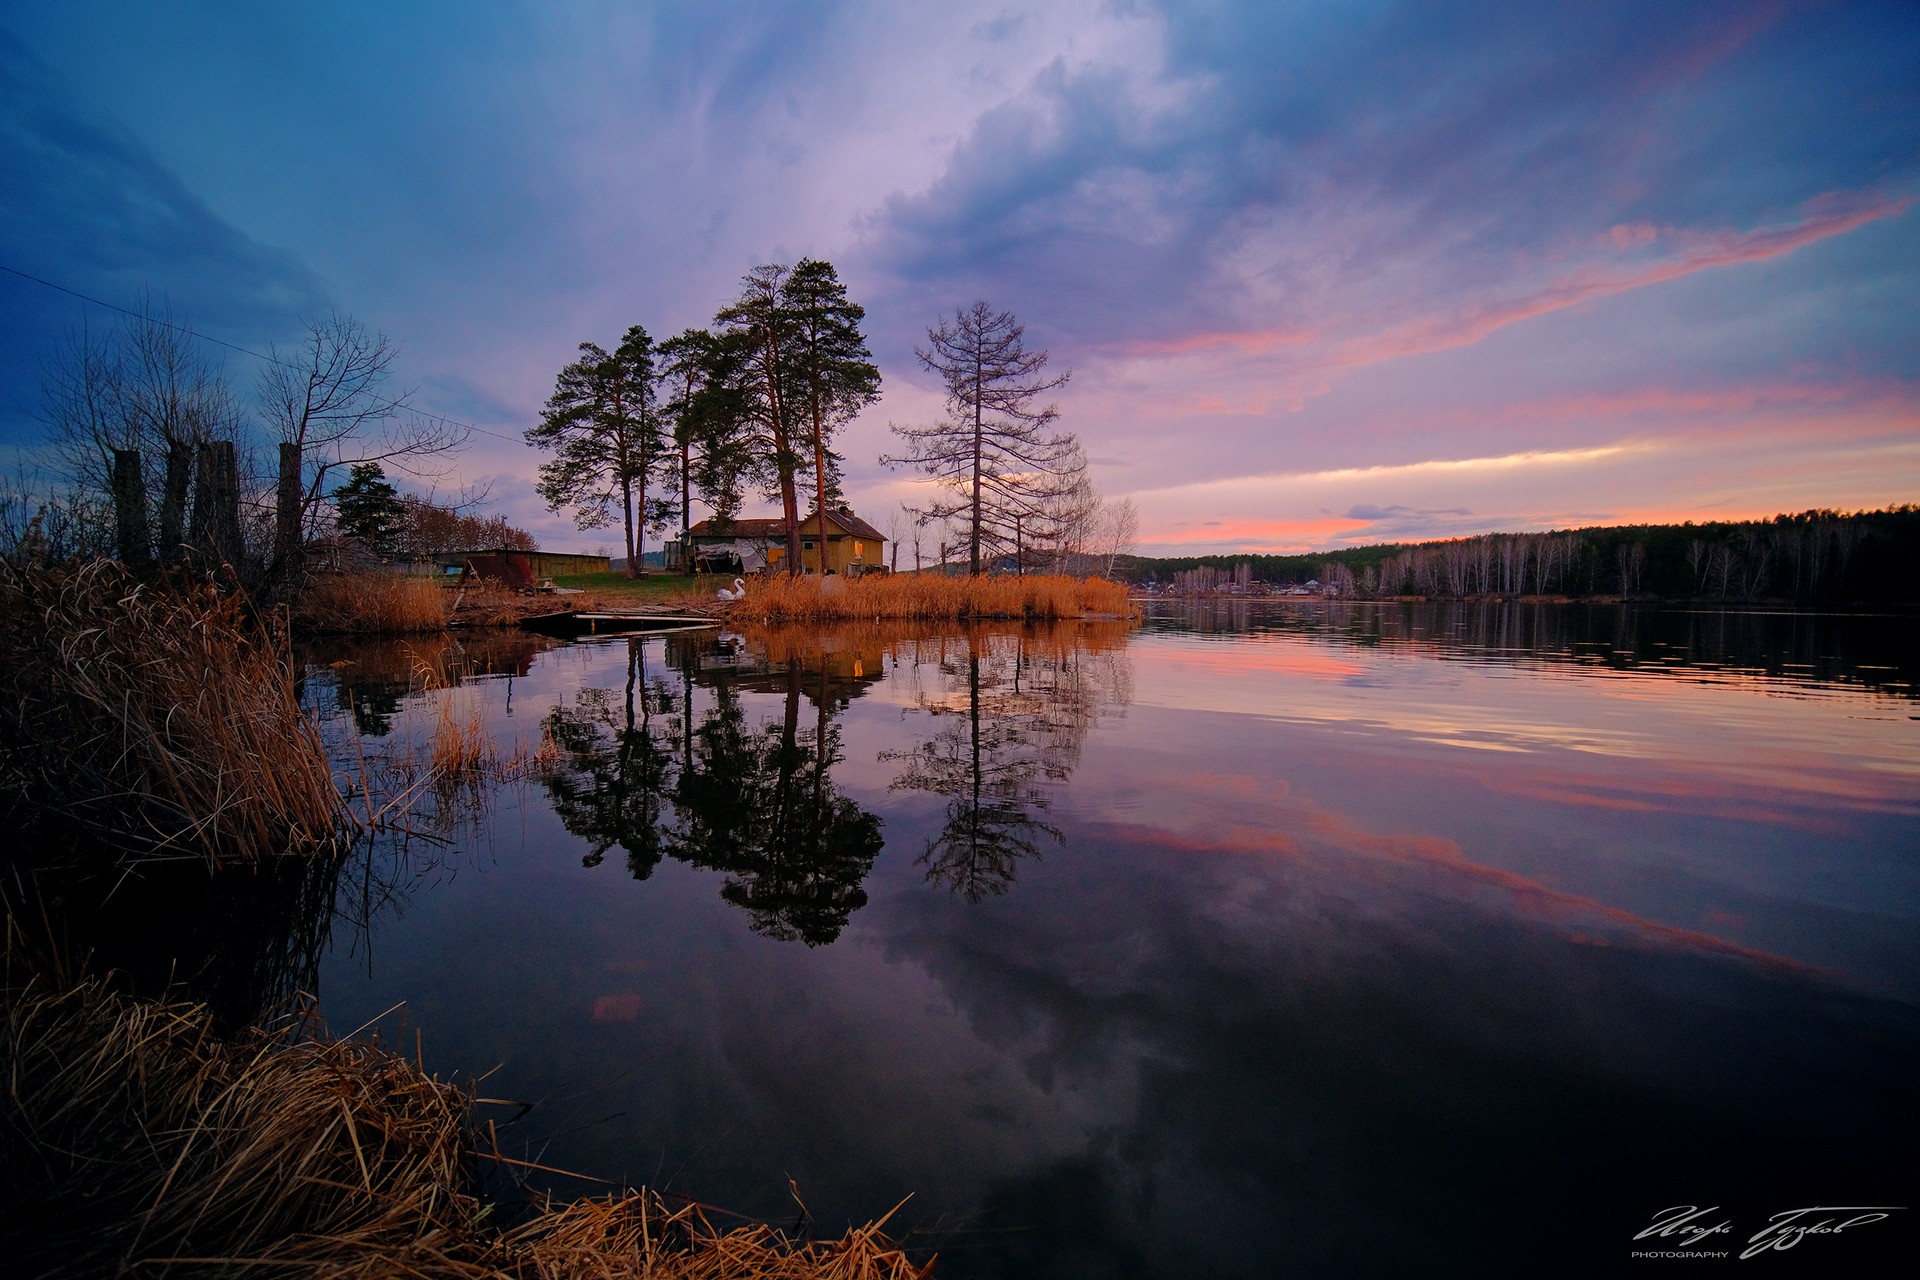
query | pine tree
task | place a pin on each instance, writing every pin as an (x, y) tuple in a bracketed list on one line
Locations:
[(834, 373), (759, 332), (705, 407), (605, 432), (367, 507)]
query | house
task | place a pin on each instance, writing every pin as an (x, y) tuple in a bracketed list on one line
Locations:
[(850, 545)]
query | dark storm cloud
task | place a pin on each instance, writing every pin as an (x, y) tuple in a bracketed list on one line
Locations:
[(1383, 160), (86, 205), (90, 204)]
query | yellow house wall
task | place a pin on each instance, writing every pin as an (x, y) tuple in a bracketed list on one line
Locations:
[(841, 551)]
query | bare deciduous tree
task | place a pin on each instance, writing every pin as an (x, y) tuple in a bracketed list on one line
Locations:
[(996, 459), (1119, 530), (147, 389), (326, 401)]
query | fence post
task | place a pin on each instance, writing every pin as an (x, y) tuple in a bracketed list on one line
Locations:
[(132, 534)]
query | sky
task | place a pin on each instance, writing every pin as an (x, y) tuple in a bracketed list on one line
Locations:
[(1324, 274)]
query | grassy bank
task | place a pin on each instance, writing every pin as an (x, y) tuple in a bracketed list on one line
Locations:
[(146, 721), (376, 602), (155, 760), (372, 603), (381, 603), (928, 596), (138, 1142)]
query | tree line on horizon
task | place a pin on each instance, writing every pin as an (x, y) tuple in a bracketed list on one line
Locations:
[(1815, 555)]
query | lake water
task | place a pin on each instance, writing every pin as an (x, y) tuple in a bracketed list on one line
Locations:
[(1259, 939)]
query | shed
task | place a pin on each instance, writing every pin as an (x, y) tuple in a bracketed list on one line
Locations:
[(509, 565)]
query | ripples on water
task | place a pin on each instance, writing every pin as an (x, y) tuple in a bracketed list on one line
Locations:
[(1314, 940)]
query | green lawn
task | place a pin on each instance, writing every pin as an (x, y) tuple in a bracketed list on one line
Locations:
[(654, 588)]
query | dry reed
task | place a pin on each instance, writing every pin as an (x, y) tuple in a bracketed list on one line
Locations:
[(137, 1142), (929, 596), (813, 644), (430, 785), (151, 722), (372, 602)]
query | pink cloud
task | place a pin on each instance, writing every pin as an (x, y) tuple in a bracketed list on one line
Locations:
[(1254, 343), (1275, 537), (1681, 253), (1696, 251)]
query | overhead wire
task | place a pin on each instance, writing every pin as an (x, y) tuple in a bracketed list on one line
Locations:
[(248, 351)]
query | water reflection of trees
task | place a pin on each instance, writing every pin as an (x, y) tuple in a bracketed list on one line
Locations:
[(755, 802), (608, 785), (1862, 650), (373, 681), (1010, 710)]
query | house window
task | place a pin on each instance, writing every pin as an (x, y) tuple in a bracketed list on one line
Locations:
[(806, 546)]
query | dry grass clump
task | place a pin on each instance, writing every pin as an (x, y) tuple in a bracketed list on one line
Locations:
[(372, 602), (928, 596), (151, 722), (463, 760), (638, 1236), (136, 1142), (139, 1142)]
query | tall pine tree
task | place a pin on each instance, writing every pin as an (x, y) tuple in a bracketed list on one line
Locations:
[(604, 430), (834, 373), (760, 333)]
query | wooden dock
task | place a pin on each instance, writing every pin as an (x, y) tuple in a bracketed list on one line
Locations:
[(608, 622)]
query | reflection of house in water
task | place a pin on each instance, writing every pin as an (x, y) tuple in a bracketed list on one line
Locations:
[(829, 666), (735, 786), (678, 762)]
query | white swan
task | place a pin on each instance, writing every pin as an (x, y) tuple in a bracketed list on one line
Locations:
[(739, 591)]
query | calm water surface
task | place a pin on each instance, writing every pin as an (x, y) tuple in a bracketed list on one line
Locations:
[(1258, 940)]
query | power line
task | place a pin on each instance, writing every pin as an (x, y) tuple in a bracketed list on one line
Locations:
[(246, 351)]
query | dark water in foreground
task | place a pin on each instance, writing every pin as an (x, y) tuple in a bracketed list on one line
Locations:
[(1257, 941)]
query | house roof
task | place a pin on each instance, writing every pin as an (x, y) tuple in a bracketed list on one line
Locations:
[(775, 528)]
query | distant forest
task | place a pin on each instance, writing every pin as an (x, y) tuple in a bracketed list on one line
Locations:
[(1812, 556)]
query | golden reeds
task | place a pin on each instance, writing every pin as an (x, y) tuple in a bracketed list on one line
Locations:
[(811, 644), (639, 1236), (137, 1142), (147, 721), (929, 596), (372, 602)]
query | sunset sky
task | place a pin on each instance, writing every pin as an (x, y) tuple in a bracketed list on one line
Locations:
[(1325, 274)]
